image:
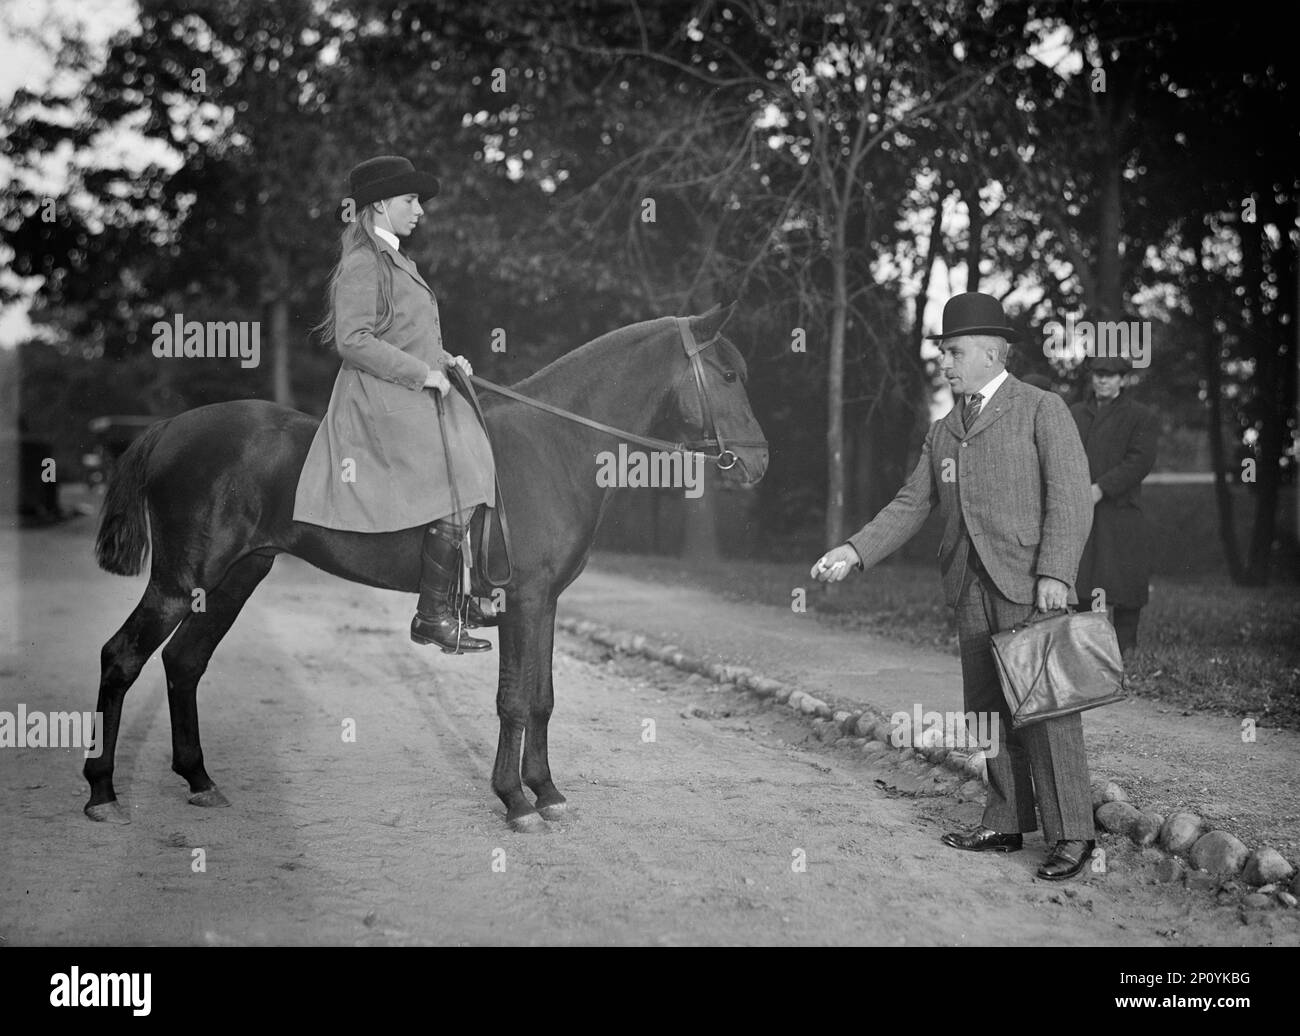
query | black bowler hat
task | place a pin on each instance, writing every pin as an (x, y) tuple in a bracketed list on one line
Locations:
[(974, 313), (1112, 364), (387, 176)]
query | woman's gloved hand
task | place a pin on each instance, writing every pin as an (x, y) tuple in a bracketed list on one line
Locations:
[(463, 364), (437, 380)]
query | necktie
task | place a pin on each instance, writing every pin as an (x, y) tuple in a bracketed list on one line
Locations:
[(971, 411)]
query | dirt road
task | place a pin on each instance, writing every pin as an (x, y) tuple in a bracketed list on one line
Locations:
[(731, 827)]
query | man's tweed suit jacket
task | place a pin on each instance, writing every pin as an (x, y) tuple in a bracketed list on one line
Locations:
[(1018, 483)]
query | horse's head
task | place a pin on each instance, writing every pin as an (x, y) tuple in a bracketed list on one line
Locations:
[(708, 408)]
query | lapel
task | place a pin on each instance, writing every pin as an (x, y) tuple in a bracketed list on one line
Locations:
[(1101, 414), (953, 421), (992, 412), (402, 262), (1089, 419)]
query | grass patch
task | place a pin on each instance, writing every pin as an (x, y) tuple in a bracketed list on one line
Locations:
[(1203, 646)]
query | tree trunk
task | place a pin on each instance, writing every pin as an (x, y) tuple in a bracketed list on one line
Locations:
[(1110, 286), (975, 216), (1269, 340), (1214, 422), (835, 392), (281, 383)]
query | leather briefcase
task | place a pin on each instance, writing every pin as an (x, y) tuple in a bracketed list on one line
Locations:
[(1056, 664)]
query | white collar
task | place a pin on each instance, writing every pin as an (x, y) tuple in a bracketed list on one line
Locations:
[(389, 237), (990, 386)]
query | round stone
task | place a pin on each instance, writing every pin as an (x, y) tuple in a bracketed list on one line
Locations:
[(1146, 829), (1180, 832), (1266, 865), (1118, 817), (1219, 853)]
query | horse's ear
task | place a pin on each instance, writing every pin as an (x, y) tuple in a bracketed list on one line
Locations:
[(707, 325)]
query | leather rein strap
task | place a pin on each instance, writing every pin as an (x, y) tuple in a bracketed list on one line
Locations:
[(709, 427), (695, 446)]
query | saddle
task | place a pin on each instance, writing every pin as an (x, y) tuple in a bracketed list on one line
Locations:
[(488, 529), (490, 543)]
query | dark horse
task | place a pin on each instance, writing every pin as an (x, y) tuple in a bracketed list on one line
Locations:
[(218, 486)]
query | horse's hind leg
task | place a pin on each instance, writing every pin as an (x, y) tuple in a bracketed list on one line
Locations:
[(121, 660), (186, 660), (536, 764)]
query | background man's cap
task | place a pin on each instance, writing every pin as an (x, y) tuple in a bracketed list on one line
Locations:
[(1112, 364)]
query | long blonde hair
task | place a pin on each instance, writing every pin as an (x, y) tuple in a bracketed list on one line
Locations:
[(358, 235)]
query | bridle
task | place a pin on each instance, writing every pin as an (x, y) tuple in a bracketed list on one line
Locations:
[(722, 454), (708, 424)]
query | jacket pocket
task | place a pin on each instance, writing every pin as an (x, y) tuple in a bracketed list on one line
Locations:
[(1027, 536), (394, 398)]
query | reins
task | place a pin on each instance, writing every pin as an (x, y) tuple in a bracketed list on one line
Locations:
[(709, 427), (569, 415)]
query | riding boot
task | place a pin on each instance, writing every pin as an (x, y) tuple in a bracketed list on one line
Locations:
[(437, 620)]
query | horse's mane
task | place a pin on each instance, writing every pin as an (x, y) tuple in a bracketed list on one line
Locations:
[(583, 353)]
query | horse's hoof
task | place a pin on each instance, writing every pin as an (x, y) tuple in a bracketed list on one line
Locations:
[(211, 797), (528, 824), (108, 813), (556, 811)]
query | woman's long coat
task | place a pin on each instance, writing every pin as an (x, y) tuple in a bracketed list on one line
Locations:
[(377, 462), (1120, 441)]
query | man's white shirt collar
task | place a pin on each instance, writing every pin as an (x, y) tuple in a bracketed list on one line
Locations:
[(389, 237), (991, 386)]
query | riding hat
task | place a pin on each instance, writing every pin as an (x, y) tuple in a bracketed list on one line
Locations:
[(386, 176), (974, 313)]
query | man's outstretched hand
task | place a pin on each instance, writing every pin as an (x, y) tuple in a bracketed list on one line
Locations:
[(835, 564)]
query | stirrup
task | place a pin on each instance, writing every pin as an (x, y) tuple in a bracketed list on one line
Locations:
[(448, 633), (475, 617)]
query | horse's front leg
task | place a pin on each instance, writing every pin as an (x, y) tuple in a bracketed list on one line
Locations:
[(536, 764), (518, 668)]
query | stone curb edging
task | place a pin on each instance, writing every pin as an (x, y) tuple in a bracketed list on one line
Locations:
[(1218, 858), (866, 726)]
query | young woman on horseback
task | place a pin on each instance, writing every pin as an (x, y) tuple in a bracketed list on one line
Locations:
[(384, 458)]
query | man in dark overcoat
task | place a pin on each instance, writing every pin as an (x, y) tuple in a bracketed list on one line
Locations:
[(1119, 436)]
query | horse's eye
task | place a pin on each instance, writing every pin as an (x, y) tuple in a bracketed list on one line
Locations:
[(728, 375)]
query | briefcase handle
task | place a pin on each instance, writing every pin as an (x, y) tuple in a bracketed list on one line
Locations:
[(1037, 616)]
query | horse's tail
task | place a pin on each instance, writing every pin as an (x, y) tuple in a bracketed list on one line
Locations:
[(123, 539)]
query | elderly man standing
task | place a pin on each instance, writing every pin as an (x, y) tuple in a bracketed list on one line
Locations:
[(1007, 471)]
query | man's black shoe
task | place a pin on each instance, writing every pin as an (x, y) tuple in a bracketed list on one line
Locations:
[(984, 840), (1066, 860)]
